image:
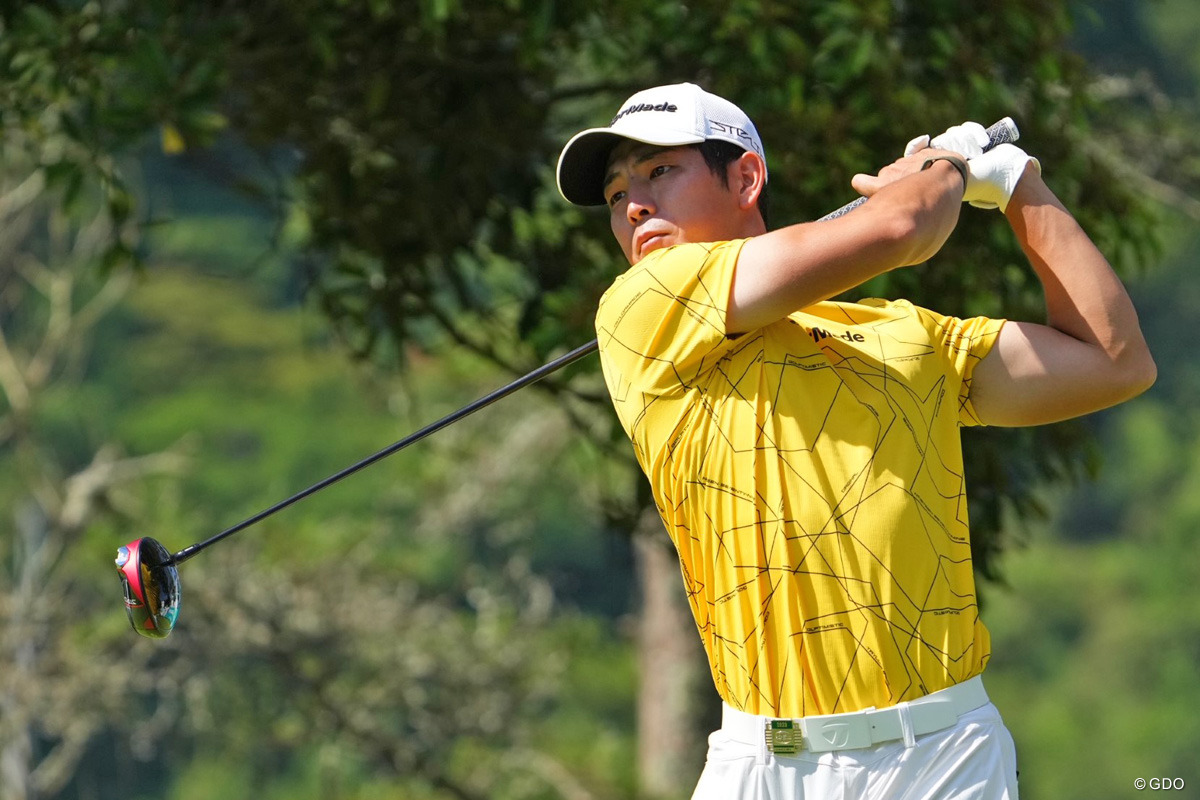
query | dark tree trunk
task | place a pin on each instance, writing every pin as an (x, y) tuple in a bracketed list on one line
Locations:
[(676, 701)]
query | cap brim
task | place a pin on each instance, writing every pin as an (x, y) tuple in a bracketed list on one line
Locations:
[(582, 164)]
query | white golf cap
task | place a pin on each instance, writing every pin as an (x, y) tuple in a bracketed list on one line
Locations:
[(678, 114)]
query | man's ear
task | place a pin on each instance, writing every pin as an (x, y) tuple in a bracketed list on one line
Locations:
[(749, 175)]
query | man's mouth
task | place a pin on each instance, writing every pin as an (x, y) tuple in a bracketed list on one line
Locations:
[(649, 242)]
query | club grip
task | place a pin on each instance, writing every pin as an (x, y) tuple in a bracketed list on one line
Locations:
[(1002, 132)]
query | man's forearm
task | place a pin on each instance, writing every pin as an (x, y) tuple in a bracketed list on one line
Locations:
[(909, 216), (1084, 297)]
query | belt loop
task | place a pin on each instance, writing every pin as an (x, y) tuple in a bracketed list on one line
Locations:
[(906, 725)]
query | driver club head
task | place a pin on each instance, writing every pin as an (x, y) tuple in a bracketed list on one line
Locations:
[(151, 583)]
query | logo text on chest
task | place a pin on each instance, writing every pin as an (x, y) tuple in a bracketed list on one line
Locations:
[(820, 333)]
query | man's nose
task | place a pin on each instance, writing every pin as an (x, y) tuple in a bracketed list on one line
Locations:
[(640, 206)]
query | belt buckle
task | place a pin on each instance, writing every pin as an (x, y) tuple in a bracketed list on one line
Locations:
[(784, 737)]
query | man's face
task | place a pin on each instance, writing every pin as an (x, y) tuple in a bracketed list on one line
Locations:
[(662, 196)]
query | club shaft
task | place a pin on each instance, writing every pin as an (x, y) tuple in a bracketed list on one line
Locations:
[(433, 427)]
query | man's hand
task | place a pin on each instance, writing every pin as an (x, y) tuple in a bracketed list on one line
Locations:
[(968, 140), (868, 185), (993, 176)]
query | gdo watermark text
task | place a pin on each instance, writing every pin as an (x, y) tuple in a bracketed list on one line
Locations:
[(1159, 784)]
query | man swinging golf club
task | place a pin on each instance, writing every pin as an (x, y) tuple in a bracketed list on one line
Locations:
[(805, 454)]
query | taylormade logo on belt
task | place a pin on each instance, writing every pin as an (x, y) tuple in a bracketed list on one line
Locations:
[(671, 107)]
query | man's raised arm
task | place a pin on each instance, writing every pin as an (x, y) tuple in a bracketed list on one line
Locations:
[(1090, 354)]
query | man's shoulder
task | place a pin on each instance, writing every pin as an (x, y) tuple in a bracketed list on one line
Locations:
[(669, 267), (696, 253), (663, 320)]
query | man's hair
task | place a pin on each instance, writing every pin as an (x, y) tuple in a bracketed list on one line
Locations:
[(718, 155)]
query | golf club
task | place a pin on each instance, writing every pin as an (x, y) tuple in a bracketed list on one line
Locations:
[(149, 572)]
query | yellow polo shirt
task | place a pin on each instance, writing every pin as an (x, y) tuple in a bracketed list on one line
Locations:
[(810, 474)]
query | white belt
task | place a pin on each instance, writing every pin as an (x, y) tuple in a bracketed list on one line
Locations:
[(856, 729)]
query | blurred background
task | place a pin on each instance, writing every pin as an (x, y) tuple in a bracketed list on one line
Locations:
[(244, 244)]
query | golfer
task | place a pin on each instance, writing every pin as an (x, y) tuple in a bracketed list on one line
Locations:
[(805, 454)]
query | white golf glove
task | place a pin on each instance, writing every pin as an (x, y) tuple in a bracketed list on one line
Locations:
[(992, 177), (967, 139)]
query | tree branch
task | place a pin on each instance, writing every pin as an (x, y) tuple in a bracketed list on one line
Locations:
[(12, 382), (83, 490), (23, 195)]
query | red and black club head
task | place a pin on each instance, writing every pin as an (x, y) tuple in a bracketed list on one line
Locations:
[(151, 583)]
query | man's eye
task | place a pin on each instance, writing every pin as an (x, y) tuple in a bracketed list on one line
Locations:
[(659, 170), (615, 198)]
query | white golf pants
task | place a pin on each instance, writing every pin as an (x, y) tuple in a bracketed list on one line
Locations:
[(974, 759)]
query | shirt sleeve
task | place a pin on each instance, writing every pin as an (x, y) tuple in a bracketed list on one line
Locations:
[(661, 325), (963, 343)]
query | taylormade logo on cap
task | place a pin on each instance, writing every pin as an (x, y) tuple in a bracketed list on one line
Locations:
[(644, 107), (671, 116)]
